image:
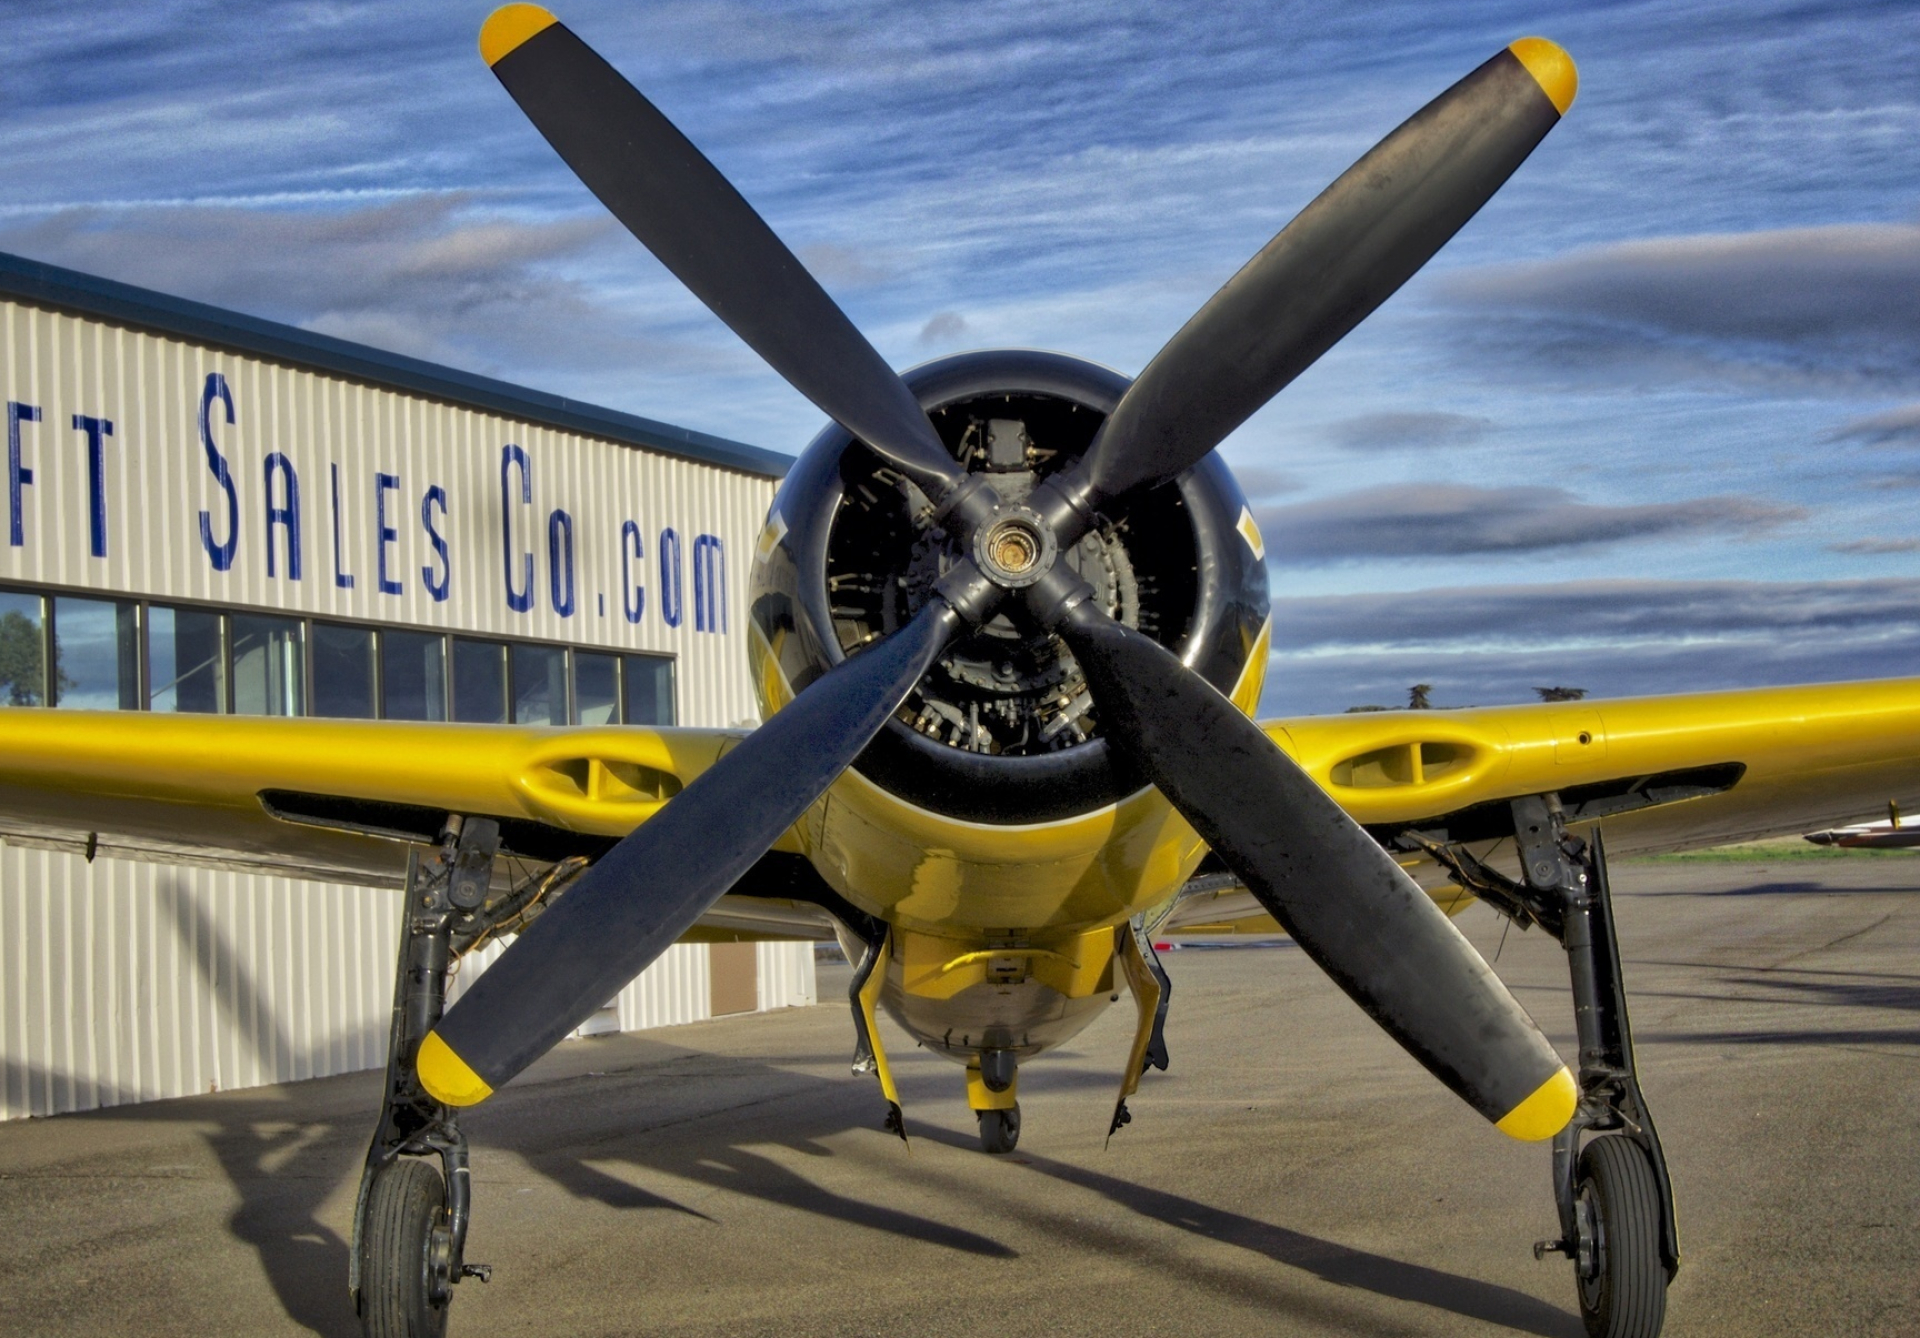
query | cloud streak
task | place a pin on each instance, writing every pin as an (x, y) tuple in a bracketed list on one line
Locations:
[(1491, 644), (1413, 520), (1834, 306), (1407, 431), (1895, 427)]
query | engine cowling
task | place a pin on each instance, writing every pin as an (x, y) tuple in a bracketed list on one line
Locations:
[(1002, 731)]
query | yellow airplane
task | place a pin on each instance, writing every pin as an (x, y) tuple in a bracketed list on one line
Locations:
[(1009, 623)]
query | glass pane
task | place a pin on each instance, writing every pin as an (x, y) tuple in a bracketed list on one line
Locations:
[(479, 682), (413, 676), (649, 689), (596, 689), (95, 654), (266, 665), (343, 671), (183, 660), (23, 679), (539, 685)]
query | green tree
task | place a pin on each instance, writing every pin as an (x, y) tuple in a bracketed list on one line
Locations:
[(22, 670)]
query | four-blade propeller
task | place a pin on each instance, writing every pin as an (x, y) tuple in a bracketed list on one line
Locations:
[(1321, 876)]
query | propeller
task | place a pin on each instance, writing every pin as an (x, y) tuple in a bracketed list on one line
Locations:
[(642, 895), (1346, 901), (652, 178), (1330, 885), (1322, 274)]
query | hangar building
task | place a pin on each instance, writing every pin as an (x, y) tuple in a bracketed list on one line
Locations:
[(211, 513)]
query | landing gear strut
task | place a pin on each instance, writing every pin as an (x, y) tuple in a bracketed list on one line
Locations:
[(410, 1224), (1613, 1193)]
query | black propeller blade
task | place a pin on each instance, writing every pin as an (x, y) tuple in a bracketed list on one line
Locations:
[(648, 890), (1341, 257), (659, 185), (1327, 882)]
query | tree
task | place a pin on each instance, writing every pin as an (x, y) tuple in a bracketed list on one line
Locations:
[(1417, 697), (22, 671), (1561, 694)]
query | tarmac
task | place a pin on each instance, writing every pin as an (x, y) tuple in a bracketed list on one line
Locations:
[(1293, 1173)]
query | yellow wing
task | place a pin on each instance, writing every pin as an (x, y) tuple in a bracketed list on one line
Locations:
[(340, 799), (1657, 773), (337, 799)]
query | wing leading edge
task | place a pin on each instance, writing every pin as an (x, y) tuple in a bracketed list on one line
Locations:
[(1659, 773), (331, 799)]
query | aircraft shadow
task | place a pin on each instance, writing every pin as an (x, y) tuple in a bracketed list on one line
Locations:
[(1325, 1259), (280, 1171), (708, 1147), (1800, 888)]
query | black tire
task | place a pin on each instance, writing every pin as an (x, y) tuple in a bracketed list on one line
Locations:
[(1000, 1129), (403, 1247), (1626, 1296)]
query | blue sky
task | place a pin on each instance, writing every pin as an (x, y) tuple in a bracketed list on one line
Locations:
[(1650, 423)]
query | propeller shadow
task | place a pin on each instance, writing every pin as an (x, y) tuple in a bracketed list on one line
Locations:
[(281, 1171), (1325, 1259)]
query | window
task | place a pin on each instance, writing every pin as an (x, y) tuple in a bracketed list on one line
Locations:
[(87, 652), (596, 688), (184, 663), (343, 671), (479, 682), (539, 685), (413, 676), (268, 665), (23, 664), (96, 654), (649, 694)]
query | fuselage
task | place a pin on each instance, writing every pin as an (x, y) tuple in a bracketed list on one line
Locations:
[(988, 824)]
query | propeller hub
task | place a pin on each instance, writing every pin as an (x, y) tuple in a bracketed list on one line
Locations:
[(1016, 548)]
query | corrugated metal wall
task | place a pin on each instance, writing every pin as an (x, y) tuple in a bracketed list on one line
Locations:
[(124, 981), (127, 982)]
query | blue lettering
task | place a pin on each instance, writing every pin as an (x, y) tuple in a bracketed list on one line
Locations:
[(18, 476), (385, 534), (633, 595), (220, 554), (670, 578), (436, 496), (285, 515), (341, 578), (560, 558), (521, 600), (709, 584), (97, 430)]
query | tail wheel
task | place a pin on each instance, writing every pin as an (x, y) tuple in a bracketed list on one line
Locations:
[(1000, 1129), (1623, 1286), (406, 1250)]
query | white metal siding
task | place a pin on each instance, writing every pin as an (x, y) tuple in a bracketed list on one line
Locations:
[(786, 976), (157, 479), (124, 981)]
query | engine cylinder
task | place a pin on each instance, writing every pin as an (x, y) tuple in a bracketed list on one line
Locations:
[(1002, 730)]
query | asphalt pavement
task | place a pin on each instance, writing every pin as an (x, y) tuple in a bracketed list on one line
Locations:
[(1294, 1172)]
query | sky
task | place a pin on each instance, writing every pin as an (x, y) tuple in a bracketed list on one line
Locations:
[(1650, 423)]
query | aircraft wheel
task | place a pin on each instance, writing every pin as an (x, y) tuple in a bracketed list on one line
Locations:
[(1000, 1129), (406, 1250), (1623, 1286)]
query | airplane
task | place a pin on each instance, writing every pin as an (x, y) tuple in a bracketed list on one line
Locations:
[(1010, 625), (1893, 834)]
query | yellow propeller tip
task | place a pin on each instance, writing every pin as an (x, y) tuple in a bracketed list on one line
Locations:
[(1543, 1114), (509, 26), (443, 1073), (1551, 67)]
